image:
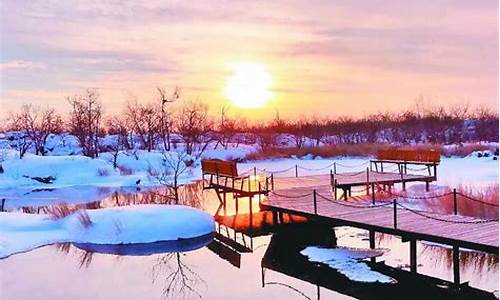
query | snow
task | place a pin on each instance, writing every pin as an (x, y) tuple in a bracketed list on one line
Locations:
[(348, 261), (21, 232), (143, 167)]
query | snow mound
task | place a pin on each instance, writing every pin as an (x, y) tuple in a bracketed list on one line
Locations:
[(21, 232), (63, 169), (347, 261)]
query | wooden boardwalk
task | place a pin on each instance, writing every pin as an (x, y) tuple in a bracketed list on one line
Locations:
[(454, 230), (362, 178)]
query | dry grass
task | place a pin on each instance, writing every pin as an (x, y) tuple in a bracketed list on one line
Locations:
[(63, 210), (360, 150), (102, 172), (462, 151), (466, 207), (125, 171)]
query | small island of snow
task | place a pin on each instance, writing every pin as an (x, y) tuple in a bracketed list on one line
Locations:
[(20, 232), (347, 261)]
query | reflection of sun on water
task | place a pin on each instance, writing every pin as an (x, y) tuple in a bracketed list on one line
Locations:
[(249, 86)]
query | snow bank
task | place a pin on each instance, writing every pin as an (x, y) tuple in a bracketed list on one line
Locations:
[(347, 261), (232, 153), (62, 169), (119, 225)]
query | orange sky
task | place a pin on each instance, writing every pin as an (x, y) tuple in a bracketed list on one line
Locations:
[(326, 58)]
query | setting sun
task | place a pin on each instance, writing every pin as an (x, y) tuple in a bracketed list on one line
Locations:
[(249, 86)]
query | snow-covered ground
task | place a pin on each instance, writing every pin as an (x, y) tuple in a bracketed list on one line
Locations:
[(22, 232), (79, 179), (348, 261)]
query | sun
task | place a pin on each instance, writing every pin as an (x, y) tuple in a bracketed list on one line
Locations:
[(249, 86)]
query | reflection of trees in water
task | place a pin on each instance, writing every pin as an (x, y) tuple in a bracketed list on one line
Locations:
[(84, 257), (477, 261), (178, 277), (180, 280), (190, 194)]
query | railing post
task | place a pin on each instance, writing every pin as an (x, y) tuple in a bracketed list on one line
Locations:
[(260, 192), (255, 173), (455, 206), (367, 181), (403, 182), (272, 181), (373, 193), (296, 171), (395, 214), (335, 189), (331, 178), (315, 204), (334, 168)]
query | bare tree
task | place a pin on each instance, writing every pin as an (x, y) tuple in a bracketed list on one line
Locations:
[(165, 122), (298, 130), (226, 129), (145, 122), (85, 121), (118, 126), (193, 124), (174, 165), (37, 124)]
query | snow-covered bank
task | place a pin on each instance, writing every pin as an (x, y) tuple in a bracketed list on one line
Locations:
[(138, 169), (21, 232), (348, 261), (144, 169)]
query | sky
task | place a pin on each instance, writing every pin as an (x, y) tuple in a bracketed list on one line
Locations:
[(325, 58)]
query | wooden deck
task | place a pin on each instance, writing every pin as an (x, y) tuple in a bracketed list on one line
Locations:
[(455, 230), (363, 178)]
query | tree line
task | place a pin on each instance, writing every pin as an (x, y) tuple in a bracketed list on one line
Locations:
[(159, 125)]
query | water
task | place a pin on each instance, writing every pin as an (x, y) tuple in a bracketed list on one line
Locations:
[(266, 265)]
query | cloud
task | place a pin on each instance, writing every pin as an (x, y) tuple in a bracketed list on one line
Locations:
[(21, 65)]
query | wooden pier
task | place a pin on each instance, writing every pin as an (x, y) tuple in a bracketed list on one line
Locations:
[(316, 198), (317, 202)]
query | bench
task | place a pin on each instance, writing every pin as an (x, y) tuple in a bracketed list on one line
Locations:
[(224, 175), (404, 157)]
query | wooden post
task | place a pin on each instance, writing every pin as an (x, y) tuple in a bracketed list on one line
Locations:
[(331, 178), (272, 181), (262, 276), (435, 171), (249, 184), (260, 192), (315, 204), (373, 193), (3, 204), (334, 168), (371, 237), (403, 182), (427, 186), (395, 214), (382, 167), (255, 173), (456, 267), (413, 255), (335, 189), (296, 171), (367, 181), (455, 206), (236, 203)]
